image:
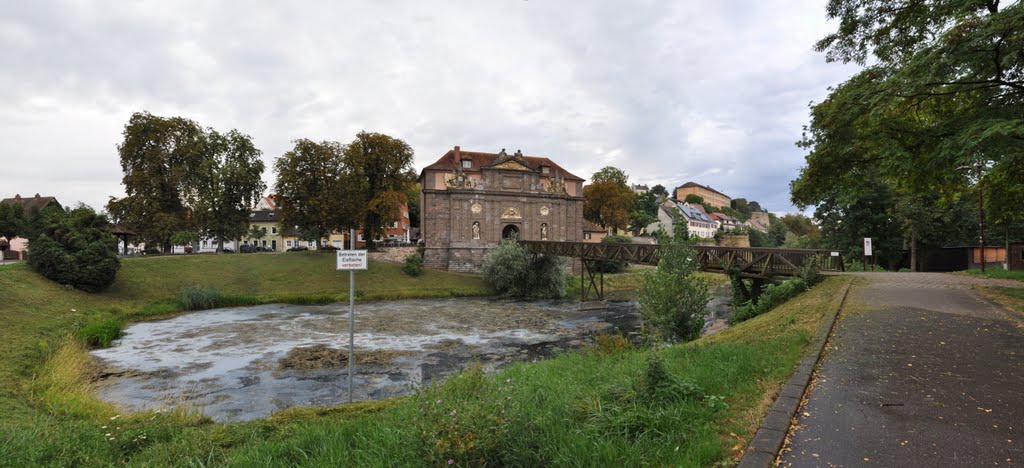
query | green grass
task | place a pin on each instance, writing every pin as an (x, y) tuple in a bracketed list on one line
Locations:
[(589, 408), (998, 273)]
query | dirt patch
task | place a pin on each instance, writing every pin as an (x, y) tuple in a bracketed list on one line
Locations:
[(324, 357)]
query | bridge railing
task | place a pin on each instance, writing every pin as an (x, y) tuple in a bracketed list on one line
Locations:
[(750, 262)]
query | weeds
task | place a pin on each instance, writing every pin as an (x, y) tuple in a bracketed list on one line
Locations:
[(100, 333)]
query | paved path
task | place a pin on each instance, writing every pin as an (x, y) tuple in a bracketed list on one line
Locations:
[(921, 371)]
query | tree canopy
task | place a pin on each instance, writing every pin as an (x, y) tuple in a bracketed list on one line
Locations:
[(315, 189), (179, 176), (944, 89), (382, 170), (611, 174)]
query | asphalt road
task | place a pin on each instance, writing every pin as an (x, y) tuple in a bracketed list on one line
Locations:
[(920, 372)]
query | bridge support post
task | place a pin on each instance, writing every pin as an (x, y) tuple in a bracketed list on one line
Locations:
[(591, 281)]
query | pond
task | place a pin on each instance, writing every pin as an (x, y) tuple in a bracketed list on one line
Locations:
[(238, 364)]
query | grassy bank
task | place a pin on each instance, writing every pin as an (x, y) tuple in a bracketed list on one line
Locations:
[(609, 405), (997, 273), (36, 313)]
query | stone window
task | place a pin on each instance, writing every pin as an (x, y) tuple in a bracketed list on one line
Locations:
[(545, 170), (467, 163), (273, 230)]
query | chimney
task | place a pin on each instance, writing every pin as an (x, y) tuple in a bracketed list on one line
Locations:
[(457, 157), (37, 195), (17, 196)]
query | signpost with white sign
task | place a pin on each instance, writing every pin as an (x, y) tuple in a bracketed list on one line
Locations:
[(351, 260), (867, 253)]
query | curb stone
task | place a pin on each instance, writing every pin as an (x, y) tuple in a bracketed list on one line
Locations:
[(768, 440)]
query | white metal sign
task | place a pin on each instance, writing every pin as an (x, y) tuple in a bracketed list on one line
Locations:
[(835, 254), (352, 260), (867, 246)]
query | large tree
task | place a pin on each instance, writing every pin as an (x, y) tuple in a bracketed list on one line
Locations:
[(229, 185), (179, 176), (315, 190), (608, 204), (382, 168), (612, 174), (644, 212), (945, 89), (159, 157)]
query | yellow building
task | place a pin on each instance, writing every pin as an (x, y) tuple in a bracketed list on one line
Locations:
[(267, 221), (711, 196)]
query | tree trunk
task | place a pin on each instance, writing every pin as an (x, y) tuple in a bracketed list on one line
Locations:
[(913, 250), (220, 243)]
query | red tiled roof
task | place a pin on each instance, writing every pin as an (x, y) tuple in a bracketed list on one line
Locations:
[(31, 203), (591, 227), (449, 162)]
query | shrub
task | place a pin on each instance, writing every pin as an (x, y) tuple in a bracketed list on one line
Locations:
[(101, 333), (413, 265), (673, 298), (76, 248), (772, 296), (510, 271), (612, 266)]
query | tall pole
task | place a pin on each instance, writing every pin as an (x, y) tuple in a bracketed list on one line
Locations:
[(351, 314), (981, 216)]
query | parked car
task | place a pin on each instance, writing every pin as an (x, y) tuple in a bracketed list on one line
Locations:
[(297, 248), (328, 248)]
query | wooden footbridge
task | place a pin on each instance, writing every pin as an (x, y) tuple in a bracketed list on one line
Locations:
[(756, 264)]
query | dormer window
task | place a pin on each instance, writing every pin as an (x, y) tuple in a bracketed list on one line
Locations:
[(467, 163), (545, 170)]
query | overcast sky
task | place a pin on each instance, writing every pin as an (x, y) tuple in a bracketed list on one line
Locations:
[(674, 91)]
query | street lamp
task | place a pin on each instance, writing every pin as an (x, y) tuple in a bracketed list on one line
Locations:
[(981, 212)]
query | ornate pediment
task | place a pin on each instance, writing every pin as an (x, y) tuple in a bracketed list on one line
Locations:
[(514, 165), (515, 162)]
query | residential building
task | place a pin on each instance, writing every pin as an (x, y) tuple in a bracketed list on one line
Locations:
[(639, 189), (726, 222), (593, 232), (269, 221), (711, 196), (32, 206), (698, 223), (470, 201)]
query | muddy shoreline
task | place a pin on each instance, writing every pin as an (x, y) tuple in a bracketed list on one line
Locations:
[(239, 364)]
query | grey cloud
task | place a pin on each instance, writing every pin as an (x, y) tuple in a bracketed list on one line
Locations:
[(668, 91)]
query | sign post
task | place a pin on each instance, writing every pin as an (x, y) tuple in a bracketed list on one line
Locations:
[(351, 260), (867, 253)]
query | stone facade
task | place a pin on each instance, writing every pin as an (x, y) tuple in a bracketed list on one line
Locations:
[(471, 201)]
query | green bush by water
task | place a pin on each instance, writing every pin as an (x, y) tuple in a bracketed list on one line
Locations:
[(772, 296), (102, 332), (510, 271)]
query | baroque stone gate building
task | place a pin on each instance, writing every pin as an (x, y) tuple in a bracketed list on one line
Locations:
[(471, 201)]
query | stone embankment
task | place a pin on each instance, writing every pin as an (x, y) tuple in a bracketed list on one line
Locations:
[(392, 254)]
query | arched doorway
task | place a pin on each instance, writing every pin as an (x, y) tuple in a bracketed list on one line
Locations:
[(510, 232)]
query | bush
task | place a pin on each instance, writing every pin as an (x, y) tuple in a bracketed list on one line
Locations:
[(76, 248), (673, 298), (413, 265), (101, 333), (772, 296), (510, 271), (612, 266)]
